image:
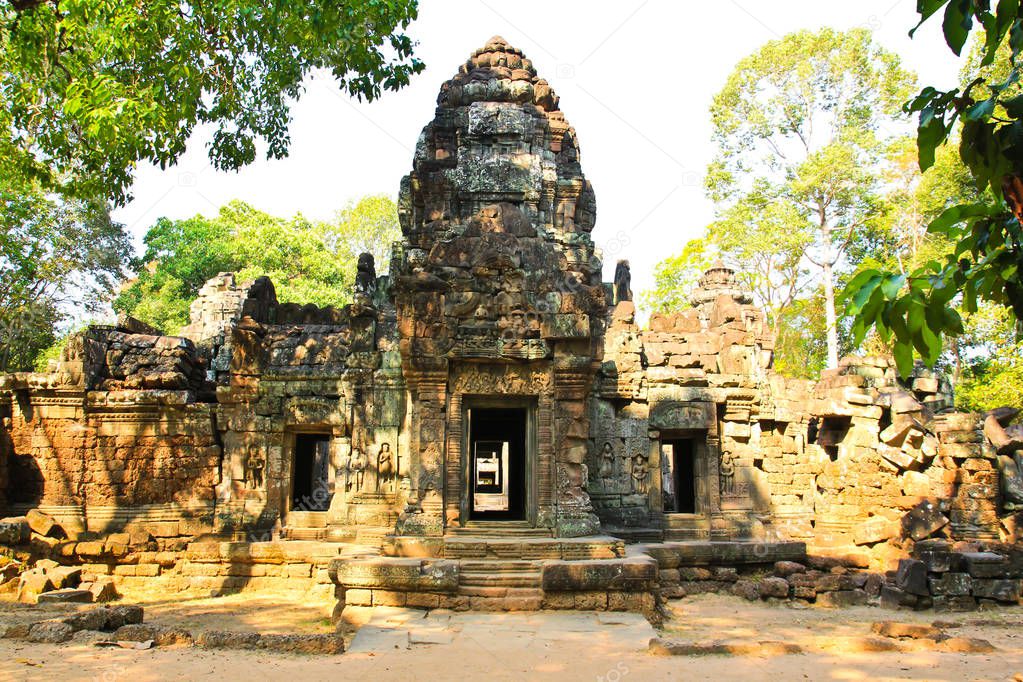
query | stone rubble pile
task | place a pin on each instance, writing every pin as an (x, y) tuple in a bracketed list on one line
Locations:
[(956, 577)]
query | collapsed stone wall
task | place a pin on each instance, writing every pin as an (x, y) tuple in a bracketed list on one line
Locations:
[(858, 462), (115, 427), (695, 376)]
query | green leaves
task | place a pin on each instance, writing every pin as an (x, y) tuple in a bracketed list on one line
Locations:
[(56, 257), (957, 24), (308, 262), (97, 87), (987, 258)]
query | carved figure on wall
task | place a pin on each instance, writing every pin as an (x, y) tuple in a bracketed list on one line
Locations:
[(606, 468), (640, 473), (349, 469), (255, 464), (623, 282), (727, 473), (385, 467), (359, 462)]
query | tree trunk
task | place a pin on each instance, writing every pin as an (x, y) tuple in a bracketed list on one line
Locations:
[(829, 314)]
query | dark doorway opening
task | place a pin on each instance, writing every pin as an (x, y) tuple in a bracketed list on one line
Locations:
[(310, 488), (497, 464), (680, 486)]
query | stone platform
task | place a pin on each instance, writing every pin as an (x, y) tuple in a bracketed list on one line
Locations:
[(530, 573)]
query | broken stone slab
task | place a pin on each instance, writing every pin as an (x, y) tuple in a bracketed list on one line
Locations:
[(1004, 443), (44, 524), (666, 647), (324, 644), (67, 595), (951, 585), (841, 598), (747, 589), (14, 530), (103, 591), (50, 632), (127, 614), (966, 645), (923, 520), (981, 564), (33, 583), (633, 574), (954, 603), (393, 573), (784, 569), (773, 587), (897, 457), (1002, 590), (224, 639), (938, 561), (911, 577), (159, 634), (896, 630), (875, 529), (65, 576)]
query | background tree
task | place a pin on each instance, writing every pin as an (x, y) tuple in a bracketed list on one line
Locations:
[(803, 116), (309, 262), (765, 238), (676, 276), (57, 258), (90, 88), (915, 309)]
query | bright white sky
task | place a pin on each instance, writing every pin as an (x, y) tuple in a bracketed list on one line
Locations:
[(635, 77)]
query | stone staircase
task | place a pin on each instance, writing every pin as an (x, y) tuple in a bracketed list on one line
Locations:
[(305, 525), (500, 529), (501, 584), (683, 527)]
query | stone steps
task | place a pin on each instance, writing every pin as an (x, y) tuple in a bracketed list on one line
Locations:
[(507, 579), (532, 549), (510, 566), (305, 533), (636, 535), (499, 529), (307, 519)]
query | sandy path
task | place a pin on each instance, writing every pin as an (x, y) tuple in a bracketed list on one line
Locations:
[(519, 649)]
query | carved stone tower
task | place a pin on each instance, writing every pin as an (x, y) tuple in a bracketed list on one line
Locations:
[(500, 305)]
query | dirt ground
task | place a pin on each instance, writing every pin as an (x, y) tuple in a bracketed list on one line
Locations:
[(535, 646)]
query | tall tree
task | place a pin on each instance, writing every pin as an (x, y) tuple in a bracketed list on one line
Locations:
[(765, 238), (803, 116), (58, 258), (90, 88), (914, 309)]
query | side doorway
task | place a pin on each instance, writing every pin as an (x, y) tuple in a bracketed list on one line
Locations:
[(310, 473)]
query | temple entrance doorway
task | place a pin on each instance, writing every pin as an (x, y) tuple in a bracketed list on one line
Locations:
[(310, 485), (497, 464), (678, 471)]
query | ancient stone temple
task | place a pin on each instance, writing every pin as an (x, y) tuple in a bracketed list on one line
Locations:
[(487, 426)]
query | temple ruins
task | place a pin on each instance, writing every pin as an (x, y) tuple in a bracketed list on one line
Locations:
[(486, 426)]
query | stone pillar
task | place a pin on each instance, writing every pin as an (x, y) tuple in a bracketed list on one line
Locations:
[(574, 512), (424, 514)]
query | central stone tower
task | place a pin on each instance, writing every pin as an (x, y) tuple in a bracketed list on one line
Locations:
[(500, 307)]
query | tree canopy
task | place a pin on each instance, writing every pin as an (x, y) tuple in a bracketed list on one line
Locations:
[(90, 88), (309, 262), (57, 258), (798, 127), (916, 308)]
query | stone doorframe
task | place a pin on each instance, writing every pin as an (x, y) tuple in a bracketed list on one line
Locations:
[(339, 442), (456, 495), (670, 420)]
